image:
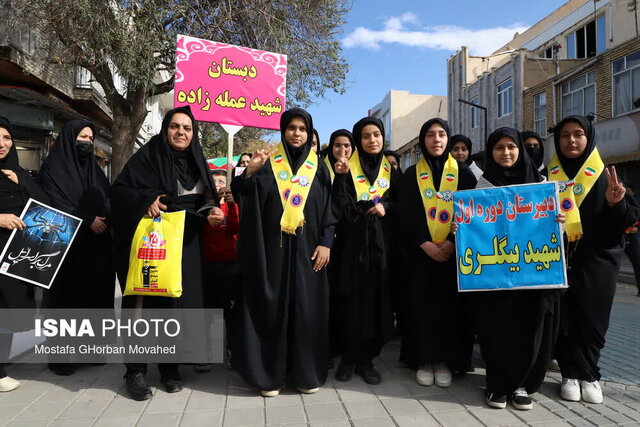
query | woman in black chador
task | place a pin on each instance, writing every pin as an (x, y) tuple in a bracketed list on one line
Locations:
[(435, 339), (16, 187), (286, 231), (76, 185), (168, 174), (517, 329), (593, 259), (362, 298)]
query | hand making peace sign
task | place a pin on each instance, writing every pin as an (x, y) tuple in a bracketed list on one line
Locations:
[(258, 159), (615, 189)]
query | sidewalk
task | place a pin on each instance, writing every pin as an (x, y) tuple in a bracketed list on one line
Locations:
[(95, 395)]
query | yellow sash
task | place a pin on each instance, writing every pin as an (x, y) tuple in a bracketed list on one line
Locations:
[(364, 189), (572, 192), (293, 189), (438, 205), (331, 172)]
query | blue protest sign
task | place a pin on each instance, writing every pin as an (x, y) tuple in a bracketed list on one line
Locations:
[(508, 238)]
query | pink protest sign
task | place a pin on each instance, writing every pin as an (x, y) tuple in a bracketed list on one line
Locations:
[(229, 84)]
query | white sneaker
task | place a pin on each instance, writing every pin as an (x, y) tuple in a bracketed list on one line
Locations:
[(442, 374), (8, 384), (554, 366), (424, 375), (269, 393), (591, 391), (570, 389), (308, 390)]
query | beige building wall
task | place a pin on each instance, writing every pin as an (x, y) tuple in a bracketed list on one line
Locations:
[(402, 114), (408, 113)]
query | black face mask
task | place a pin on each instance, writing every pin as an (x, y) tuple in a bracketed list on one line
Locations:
[(84, 149), (536, 155)]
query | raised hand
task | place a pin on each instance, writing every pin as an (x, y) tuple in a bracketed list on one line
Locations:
[(342, 166), (615, 189), (258, 159)]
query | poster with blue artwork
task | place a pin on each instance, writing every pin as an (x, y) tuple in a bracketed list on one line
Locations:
[(35, 253), (508, 238)]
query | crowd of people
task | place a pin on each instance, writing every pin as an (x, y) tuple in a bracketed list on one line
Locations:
[(299, 248)]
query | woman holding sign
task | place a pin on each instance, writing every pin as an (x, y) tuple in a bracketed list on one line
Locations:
[(434, 338), (283, 249), (363, 192), (516, 329), (597, 214), (16, 187)]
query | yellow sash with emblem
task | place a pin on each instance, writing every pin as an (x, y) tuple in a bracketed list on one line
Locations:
[(293, 189), (573, 191), (438, 205), (364, 189), (331, 172)]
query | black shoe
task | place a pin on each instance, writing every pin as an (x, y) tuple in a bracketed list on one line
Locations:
[(496, 401), (368, 373), (172, 382), (331, 363), (63, 369), (137, 386), (344, 372), (520, 400)]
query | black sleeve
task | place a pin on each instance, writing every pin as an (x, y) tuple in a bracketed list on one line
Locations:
[(411, 215)]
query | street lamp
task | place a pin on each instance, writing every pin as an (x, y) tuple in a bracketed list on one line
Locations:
[(464, 101)]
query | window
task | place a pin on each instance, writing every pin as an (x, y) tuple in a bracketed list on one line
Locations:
[(540, 114), (505, 98), (588, 41), (579, 95), (474, 114), (626, 83), (24, 39), (547, 53)]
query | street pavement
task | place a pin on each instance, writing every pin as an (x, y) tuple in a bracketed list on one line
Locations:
[(95, 395)]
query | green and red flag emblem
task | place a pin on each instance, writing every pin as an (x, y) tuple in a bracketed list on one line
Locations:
[(372, 189), (361, 178), (424, 175), (554, 170), (386, 167), (450, 177), (589, 171), (278, 158), (309, 164)]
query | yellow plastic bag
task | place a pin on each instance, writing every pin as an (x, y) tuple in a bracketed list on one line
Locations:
[(155, 261)]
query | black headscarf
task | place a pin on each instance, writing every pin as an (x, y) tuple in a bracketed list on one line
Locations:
[(315, 132), (296, 155), (522, 172), (392, 153), (370, 162), (436, 164), (536, 153), (240, 158), (572, 166), (157, 167), (462, 138), (332, 140), (71, 177)]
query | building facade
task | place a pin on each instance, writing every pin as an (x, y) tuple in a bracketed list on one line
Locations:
[(574, 61), (39, 95), (402, 114)]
